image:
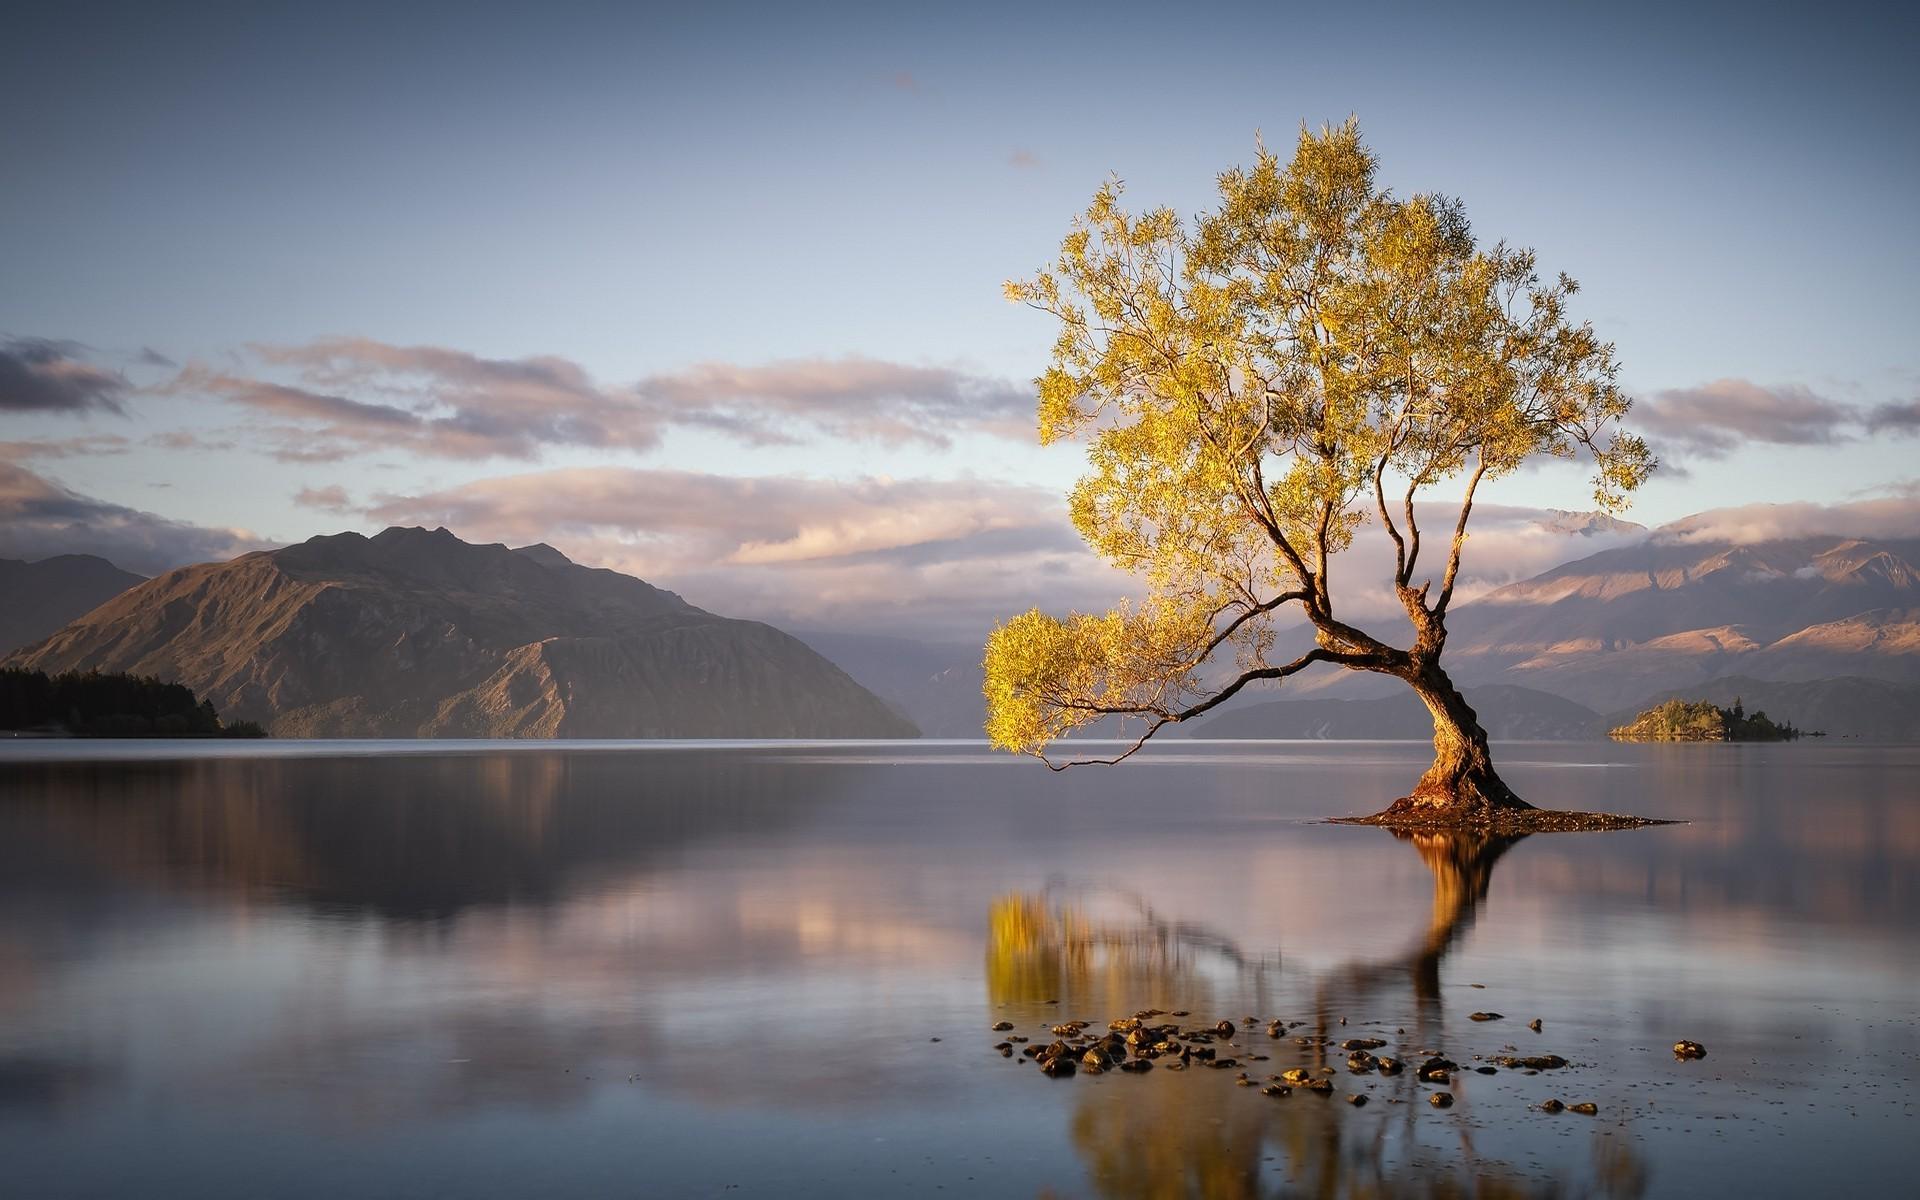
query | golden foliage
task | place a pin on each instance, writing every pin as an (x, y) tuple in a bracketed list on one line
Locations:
[(1247, 383)]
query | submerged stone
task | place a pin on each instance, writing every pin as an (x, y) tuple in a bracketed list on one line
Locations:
[(1531, 1062)]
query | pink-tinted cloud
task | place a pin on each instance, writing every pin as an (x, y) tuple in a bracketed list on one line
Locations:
[(332, 498), (343, 397), (73, 447)]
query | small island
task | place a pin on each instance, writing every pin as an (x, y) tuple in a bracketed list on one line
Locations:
[(1701, 721), (92, 704)]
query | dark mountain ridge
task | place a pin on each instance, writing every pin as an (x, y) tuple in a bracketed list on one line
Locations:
[(41, 596), (414, 632)]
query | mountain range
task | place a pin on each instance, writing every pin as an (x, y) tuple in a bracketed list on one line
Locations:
[(415, 633), (1848, 706), (1674, 611)]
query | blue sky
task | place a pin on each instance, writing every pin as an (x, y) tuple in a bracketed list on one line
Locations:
[(642, 194)]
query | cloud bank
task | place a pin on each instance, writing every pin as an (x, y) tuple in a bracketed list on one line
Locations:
[(40, 518), (45, 376)]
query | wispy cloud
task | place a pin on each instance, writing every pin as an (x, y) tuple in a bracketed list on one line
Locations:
[(853, 397), (1023, 160), (1715, 419), (1900, 417), (333, 498), (43, 375), (73, 447), (39, 518), (342, 397)]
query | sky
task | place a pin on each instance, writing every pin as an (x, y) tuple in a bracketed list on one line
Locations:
[(712, 293)]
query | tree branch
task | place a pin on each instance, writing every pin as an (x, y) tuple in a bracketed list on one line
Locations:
[(1317, 654), (1459, 540)]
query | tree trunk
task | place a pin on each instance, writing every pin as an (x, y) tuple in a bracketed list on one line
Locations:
[(1461, 783)]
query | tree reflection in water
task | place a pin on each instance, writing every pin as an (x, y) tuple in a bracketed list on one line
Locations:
[(1101, 954)]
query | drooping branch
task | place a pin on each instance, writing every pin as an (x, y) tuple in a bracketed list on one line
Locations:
[(1163, 718)]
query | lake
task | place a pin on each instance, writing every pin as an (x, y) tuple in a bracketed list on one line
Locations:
[(477, 970)]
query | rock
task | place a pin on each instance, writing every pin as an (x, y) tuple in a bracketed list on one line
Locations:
[(1585, 1108), (1276, 1089), (1531, 1062), (1534, 1024), (933, 1039), (1552, 1106), (1005, 1049), (1437, 1070), (1057, 1067), (1686, 1049), (1069, 1028), (1018, 1038), (1096, 1058), (1358, 1099), (1275, 1029), (1002, 1026), (1322, 1087), (1389, 1066), (1224, 1028), (1484, 1016), (1485, 1071), (1360, 1062), (1298, 1076), (1363, 1043), (1137, 1065), (1441, 1099)]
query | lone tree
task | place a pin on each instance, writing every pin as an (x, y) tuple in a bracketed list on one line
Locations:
[(1255, 385)]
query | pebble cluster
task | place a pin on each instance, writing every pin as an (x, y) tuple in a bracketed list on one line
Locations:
[(1141, 1042)]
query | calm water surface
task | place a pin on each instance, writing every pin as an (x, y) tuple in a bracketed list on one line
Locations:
[(339, 970)]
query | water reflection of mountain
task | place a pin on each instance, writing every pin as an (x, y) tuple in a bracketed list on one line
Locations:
[(408, 837), (1197, 1134)]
